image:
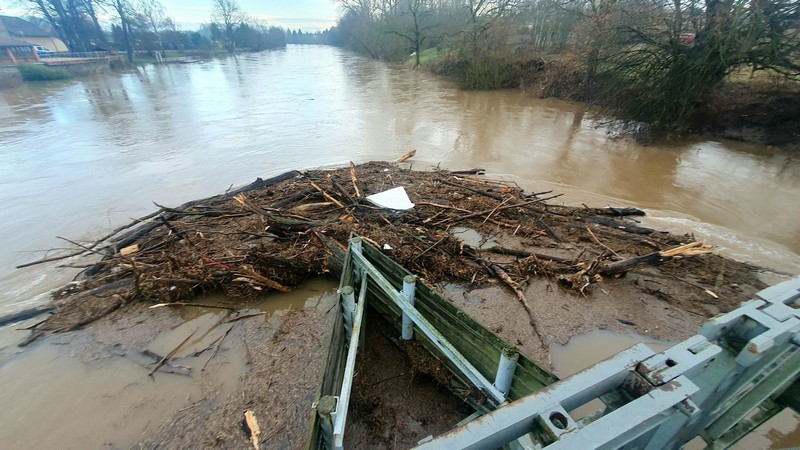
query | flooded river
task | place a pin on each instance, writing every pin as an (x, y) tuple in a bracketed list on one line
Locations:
[(81, 157)]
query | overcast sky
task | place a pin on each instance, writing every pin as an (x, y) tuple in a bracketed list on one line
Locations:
[(308, 15)]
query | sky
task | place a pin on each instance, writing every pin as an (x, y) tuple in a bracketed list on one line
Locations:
[(308, 15)]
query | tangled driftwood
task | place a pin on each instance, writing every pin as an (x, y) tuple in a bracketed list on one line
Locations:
[(273, 234)]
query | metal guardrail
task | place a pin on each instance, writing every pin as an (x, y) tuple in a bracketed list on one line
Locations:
[(75, 55), (718, 385), (410, 314), (361, 272)]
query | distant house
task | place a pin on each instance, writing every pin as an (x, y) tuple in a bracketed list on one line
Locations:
[(22, 30), (13, 51)]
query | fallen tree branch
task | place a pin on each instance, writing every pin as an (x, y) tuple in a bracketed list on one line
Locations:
[(196, 305), (600, 243), (247, 274), (618, 225), (354, 179), (488, 211), (216, 350), (326, 195), (656, 258), (493, 195), (514, 286), (405, 157), (525, 254)]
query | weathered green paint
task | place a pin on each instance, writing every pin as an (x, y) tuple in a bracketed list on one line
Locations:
[(477, 344), (330, 382), (474, 341)]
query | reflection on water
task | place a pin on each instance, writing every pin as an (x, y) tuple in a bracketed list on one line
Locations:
[(80, 157)]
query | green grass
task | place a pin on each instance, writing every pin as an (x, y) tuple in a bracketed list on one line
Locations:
[(426, 56), (762, 78), (36, 72)]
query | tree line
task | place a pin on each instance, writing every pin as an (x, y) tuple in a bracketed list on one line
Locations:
[(138, 25), (653, 62)]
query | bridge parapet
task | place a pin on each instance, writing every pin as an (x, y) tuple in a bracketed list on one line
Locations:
[(718, 385)]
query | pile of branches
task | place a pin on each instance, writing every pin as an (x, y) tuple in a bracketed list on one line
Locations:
[(273, 234)]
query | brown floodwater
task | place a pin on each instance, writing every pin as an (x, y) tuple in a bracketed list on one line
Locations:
[(80, 157), (60, 396)]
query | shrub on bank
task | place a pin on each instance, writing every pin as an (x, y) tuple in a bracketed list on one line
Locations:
[(35, 72), (487, 72)]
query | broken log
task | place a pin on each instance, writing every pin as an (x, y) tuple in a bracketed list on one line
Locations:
[(655, 258), (618, 225), (468, 172), (294, 198), (405, 157), (26, 314), (617, 212), (525, 254)]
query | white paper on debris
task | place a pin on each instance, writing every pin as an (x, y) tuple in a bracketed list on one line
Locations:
[(395, 198)]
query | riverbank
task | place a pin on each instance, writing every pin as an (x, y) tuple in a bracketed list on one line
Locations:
[(761, 108)]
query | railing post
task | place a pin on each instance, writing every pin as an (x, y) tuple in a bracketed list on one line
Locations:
[(409, 289), (355, 247), (348, 307), (326, 407), (505, 369)]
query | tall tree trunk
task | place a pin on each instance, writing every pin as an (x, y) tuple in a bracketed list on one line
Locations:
[(66, 24), (97, 28), (78, 25), (126, 29), (53, 22)]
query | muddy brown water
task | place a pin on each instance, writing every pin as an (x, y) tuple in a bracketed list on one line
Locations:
[(62, 395), (80, 157)]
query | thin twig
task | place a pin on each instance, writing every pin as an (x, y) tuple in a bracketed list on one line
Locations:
[(601, 244), (171, 354), (197, 305), (216, 350), (493, 211)]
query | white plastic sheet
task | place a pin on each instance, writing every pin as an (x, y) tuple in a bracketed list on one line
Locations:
[(395, 198)]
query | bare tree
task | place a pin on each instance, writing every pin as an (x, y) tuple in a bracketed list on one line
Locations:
[(125, 12), (412, 20), (153, 14), (229, 14), (670, 55), (75, 21)]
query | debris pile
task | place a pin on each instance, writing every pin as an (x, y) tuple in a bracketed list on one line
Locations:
[(273, 234)]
